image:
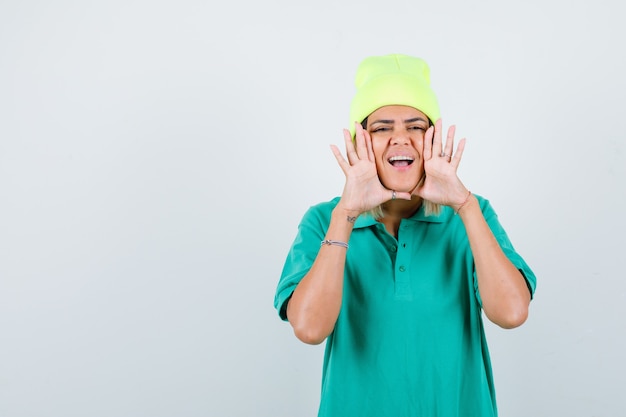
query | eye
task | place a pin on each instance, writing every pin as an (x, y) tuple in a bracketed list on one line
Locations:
[(417, 128), (380, 129)]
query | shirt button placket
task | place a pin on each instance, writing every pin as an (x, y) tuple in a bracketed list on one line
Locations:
[(403, 282)]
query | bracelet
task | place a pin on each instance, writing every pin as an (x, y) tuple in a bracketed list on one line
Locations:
[(334, 243), (469, 193)]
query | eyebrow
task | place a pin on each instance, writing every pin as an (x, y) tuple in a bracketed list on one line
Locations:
[(388, 121)]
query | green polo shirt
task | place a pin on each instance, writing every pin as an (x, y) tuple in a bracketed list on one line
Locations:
[(409, 339)]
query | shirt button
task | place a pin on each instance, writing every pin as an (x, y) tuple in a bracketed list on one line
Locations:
[(393, 248), (402, 268)]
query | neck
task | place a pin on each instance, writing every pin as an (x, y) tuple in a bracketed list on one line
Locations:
[(396, 210)]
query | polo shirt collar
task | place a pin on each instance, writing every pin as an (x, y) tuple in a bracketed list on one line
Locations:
[(366, 219)]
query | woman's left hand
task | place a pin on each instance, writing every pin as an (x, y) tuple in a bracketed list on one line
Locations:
[(442, 185)]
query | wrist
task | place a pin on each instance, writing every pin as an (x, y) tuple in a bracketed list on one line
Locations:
[(349, 215), (457, 207), (341, 225)]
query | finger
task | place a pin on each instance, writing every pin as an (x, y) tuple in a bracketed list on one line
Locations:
[(450, 141), (456, 160), (350, 151), (343, 164), (428, 144), (361, 146), (370, 148), (437, 138)]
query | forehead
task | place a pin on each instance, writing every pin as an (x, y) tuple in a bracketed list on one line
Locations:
[(396, 112)]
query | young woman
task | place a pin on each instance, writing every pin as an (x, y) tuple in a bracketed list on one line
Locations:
[(394, 275)]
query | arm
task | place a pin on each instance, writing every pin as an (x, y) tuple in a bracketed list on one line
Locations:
[(315, 304), (503, 290)]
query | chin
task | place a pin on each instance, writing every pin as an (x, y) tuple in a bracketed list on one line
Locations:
[(405, 185), (408, 188), (402, 188)]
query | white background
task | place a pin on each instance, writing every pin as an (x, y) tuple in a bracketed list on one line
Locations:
[(157, 156)]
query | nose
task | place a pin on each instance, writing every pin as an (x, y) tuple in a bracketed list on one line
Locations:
[(400, 139)]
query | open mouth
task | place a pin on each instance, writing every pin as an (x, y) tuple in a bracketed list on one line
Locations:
[(400, 161)]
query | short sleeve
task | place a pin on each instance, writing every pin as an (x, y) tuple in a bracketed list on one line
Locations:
[(302, 254), (507, 247)]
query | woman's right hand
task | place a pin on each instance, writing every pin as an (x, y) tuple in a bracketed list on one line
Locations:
[(363, 190)]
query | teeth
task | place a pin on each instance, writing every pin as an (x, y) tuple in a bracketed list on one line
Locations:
[(400, 158)]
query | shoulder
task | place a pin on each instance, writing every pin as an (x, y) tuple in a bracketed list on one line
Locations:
[(482, 200), (485, 206), (449, 216), (320, 213)]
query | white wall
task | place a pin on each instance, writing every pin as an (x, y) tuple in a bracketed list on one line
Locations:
[(156, 157)]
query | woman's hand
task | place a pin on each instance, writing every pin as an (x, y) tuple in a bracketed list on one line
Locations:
[(442, 185), (363, 190)]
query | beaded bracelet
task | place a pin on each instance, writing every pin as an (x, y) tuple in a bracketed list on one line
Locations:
[(334, 243)]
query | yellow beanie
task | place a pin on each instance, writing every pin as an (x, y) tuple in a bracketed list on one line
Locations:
[(394, 79)]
